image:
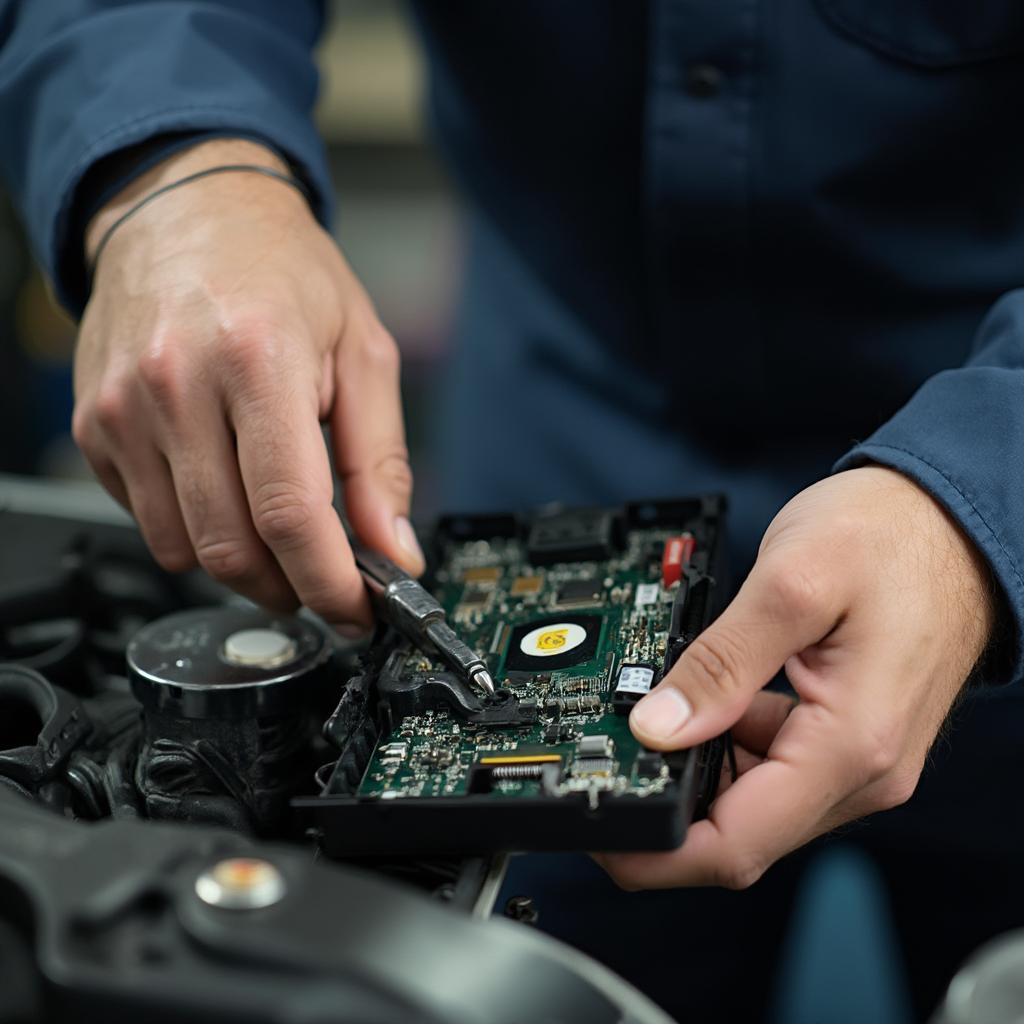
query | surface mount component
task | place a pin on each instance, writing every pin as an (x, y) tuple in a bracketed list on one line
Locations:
[(575, 535), (579, 593)]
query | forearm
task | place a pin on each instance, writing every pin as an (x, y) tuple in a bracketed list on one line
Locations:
[(82, 81)]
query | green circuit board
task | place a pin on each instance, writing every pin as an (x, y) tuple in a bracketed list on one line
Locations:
[(579, 640)]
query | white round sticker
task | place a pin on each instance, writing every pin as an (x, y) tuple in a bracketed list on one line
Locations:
[(556, 638)]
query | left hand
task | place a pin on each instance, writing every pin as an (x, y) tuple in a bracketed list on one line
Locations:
[(878, 607)]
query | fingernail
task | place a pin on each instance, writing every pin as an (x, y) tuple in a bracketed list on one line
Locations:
[(662, 713), (407, 541)]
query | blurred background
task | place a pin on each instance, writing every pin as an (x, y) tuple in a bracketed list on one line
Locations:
[(397, 223)]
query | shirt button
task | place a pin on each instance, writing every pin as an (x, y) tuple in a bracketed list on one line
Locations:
[(703, 80)]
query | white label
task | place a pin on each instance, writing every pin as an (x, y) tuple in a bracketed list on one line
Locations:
[(634, 679), (646, 593), (558, 638)]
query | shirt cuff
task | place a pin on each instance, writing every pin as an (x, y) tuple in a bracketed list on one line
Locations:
[(1003, 661)]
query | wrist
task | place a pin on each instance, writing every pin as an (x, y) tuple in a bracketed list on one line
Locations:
[(203, 155), (949, 557)]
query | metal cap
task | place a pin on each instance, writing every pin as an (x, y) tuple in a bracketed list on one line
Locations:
[(262, 648), (225, 662)]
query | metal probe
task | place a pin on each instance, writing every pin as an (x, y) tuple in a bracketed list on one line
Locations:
[(417, 614)]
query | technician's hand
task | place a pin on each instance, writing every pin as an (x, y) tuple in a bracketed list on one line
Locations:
[(223, 326), (878, 607)]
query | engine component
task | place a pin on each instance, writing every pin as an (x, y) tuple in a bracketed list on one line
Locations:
[(143, 921), (225, 704)]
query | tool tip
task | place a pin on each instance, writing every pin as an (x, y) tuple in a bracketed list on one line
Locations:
[(483, 679)]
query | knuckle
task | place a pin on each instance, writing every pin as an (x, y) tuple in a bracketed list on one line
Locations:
[(396, 473), (162, 372), (898, 787), (798, 592), (282, 514), (111, 411), (251, 348), (380, 351), (739, 873), (81, 425), (713, 660), (879, 749), (173, 558), (226, 560)]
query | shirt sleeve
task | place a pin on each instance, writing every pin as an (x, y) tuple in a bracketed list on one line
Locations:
[(81, 80), (961, 438)]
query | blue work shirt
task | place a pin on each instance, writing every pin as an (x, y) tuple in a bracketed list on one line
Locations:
[(716, 246)]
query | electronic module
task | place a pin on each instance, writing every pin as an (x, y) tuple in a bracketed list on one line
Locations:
[(578, 613)]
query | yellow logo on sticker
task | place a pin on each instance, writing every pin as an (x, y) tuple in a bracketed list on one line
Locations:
[(552, 639)]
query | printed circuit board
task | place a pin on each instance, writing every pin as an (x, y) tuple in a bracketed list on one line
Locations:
[(578, 614)]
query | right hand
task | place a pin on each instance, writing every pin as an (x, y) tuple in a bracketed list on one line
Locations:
[(223, 326)]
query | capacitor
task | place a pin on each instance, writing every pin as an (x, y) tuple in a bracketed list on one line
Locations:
[(225, 663), (676, 557)]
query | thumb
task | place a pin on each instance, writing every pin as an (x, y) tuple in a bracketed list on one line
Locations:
[(779, 611), (369, 442)]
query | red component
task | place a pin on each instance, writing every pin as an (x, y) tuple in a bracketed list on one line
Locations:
[(676, 557)]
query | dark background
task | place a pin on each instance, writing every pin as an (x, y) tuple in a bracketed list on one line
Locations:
[(397, 224)]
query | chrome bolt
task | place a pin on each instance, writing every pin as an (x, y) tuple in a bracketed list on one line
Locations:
[(241, 883)]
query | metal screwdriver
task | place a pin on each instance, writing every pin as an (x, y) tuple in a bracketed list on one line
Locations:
[(417, 614)]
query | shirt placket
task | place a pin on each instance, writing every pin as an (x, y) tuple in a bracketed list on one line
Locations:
[(699, 187)]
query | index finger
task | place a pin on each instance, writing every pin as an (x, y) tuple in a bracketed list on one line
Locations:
[(287, 475), (782, 803)]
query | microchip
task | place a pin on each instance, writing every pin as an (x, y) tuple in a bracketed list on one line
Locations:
[(474, 597), (592, 766), (649, 763), (525, 586), (559, 732), (579, 594), (579, 535), (545, 645), (485, 576)]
